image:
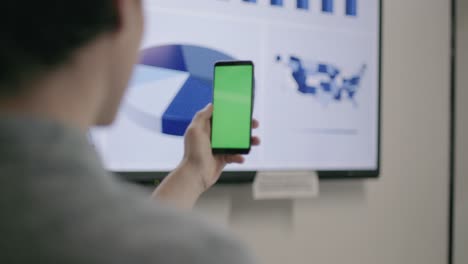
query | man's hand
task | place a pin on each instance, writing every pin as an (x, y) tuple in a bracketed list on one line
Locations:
[(198, 151), (200, 169)]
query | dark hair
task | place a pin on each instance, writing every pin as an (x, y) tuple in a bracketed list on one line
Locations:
[(38, 35)]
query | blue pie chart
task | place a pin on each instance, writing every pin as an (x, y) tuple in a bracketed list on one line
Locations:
[(170, 85)]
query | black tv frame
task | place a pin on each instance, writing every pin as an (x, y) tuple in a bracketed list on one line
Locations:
[(239, 177)]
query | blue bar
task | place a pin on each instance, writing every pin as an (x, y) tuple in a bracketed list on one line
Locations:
[(250, 1), (303, 4), (277, 2), (351, 7), (327, 6)]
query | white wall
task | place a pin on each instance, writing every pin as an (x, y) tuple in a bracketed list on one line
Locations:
[(461, 213), (399, 218)]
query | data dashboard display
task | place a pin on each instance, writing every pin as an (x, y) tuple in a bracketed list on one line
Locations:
[(317, 66)]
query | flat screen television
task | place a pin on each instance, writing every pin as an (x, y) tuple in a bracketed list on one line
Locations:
[(318, 67)]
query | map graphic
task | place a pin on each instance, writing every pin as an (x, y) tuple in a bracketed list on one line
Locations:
[(317, 78)]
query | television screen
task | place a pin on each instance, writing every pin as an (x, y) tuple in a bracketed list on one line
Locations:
[(317, 83)]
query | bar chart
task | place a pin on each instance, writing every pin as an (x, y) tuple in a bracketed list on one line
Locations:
[(276, 2), (327, 5)]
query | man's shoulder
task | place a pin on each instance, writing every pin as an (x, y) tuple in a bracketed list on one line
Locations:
[(146, 228), (182, 238), (113, 223)]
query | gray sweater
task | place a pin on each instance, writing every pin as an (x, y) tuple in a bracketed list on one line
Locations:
[(59, 205)]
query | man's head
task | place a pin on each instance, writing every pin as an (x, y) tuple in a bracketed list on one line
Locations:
[(40, 38)]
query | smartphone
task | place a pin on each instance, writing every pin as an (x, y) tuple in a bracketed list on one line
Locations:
[(233, 99)]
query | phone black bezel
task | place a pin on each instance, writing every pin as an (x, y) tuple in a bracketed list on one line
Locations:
[(232, 151)]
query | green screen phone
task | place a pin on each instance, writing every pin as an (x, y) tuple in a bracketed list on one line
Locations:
[(233, 98)]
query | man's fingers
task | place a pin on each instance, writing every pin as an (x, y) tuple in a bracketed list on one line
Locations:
[(255, 124), (235, 159), (256, 141), (205, 113)]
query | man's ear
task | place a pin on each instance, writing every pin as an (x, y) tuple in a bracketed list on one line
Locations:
[(126, 11), (118, 6)]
